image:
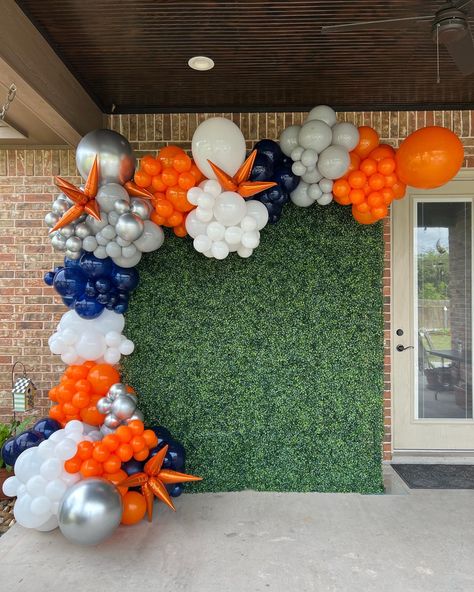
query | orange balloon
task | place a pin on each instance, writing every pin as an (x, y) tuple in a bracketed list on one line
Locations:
[(362, 207), (141, 454), (390, 180), (124, 452), (363, 217), (175, 219), (112, 464), (387, 194), (91, 416), (379, 212), (116, 478), (196, 173), (138, 443), (169, 177), (182, 163), (386, 166), (56, 412), (368, 140), (102, 377), (150, 438), (100, 453), (112, 442), (142, 179), (180, 230), (157, 184), (341, 188), (354, 164), (134, 507), (91, 468), (157, 219), (429, 157), (357, 196), (399, 190), (81, 399), (124, 433), (69, 409), (382, 151), (186, 181), (167, 155), (376, 181), (73, 465), (136, 426), (85, 449), (368, 166), (164, 208), (357, 179), (151, 166), (375, 199)]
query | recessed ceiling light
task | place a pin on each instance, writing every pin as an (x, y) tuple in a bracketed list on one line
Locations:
[(201, 63)]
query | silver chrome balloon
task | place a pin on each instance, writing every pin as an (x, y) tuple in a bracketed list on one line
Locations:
[(123, 407), (82, 230), (58, 241), (137, 415), (112, 422), (129, 227), (109, 194), (90, 511), (103, 405), (122, 206), (60, 205), (74, 244), (67, 231), (73, 254), (115, 156), (51, 219), (141, 208), (116, 390)]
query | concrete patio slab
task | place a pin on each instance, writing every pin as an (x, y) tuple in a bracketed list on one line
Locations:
[(240, 542)]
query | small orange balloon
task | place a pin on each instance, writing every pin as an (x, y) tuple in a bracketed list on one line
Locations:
[(56, 412), (368, 141), (142, 179), (112, 464), (196, 173), (124, 433), (150, 438), (399, 190), (169, 177), (69, 409), (387, 194), (429, 157), (382, 151), (116, 478), (368, 166), (112, 442), (186, 181), (390, 180), (379, 212), (362, 207), (124, 452), (386, 166), (141, 454), (357, 179), (175, 219), (100, 453), (167, 155), (164, 208), (157, 184), (85, 449), (341, 188), (151, 166), (136, 426), (180, 230), (376, 181), (134, 507), (81, 399), (357, 196), (157, 219), (91, 468), (354, 164), (91, 416), (375, 199), (182, 163), (363, 217), (138, 443), (73, 465)]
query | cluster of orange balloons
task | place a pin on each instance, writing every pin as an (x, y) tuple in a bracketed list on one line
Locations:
[(80, 387), (105, 457), (371, 183), (168, 177)]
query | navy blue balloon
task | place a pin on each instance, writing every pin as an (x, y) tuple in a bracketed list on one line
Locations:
[(70, 263), (177, 455), (262, 169), (125, 280), (46, 427), (94, 267), (177, 490), (26, 440), (102, 298), (286, 179), (88, 308), (7, 452), (133, 466), (90, 289), (69, 281), (49, 278), (121, 307), (69, 301), (103, 285), (162, 433), (167, 462), (271, 149)]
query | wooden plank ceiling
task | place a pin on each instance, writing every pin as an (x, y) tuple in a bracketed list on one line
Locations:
[(269, 56)]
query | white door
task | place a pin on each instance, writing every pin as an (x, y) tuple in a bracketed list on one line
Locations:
[(432, 321)]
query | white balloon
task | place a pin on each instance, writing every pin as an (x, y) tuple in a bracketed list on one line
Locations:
[(36, 485), (66, 449), (72, 427), (112, 356), (215, 231), (300, 195), (315, 134), (323, 113), (211, 186), (69, 336), (127, 347), (51, 468), (244, 252), (229, 208), (314, 191), (289, 139), (45, 450), (193, 195), (326, 185), (40, 505), (91, 344), (56, 489), (248, 223), (151, 239), (194, 226), (333, 162), (10, 486), (69, 356), (57, 345), (346, 135), (325, 199), (113, 339), (220, 249), (202, 243), (49, 525), (219, 140), (206, 201), (232, 236), (203, 215), (309, 157), (251, 239), (109, 321), (257, 210)]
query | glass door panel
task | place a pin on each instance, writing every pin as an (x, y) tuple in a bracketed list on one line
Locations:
[(443, 309)]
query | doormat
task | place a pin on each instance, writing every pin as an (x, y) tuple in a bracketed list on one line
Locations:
[(436, 476)]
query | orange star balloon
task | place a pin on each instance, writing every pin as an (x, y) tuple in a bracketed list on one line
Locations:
[(153, 481), (134, 191), (84, 200), (239, 182)]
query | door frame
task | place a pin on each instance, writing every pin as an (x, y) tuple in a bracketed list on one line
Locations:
[(402, 291)]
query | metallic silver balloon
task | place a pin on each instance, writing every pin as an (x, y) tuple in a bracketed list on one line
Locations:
[(109, 194), (141, 208), (108, 232), (58, 241), (82, 230), (123, 407), (129, 227), (103, 405), (89, 244), (151, 239), (90, 511), (122, 206), (137, 415), (73, 254), (74, 243), (115, 156), (112, 422), (113, 218), (97, 225), (101, 240), (116, 390), (67, 230), (51, 219), (60, 205)]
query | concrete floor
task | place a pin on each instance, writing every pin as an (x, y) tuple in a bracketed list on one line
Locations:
[(241, 542)]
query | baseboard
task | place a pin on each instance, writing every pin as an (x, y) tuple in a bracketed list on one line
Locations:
[(433, 456)]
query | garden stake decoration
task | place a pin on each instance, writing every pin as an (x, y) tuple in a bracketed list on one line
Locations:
[(95, 445)]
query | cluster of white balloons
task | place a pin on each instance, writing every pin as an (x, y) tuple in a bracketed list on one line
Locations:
[(320, 151), (40, 479), (224, 222), (100, 339)]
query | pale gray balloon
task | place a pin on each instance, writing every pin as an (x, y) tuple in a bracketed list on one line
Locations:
[(334, 162), (100, 252), (101, 240), (60, 205), (108, 232), (67, 231), (74, 244), (151, 239), (129, 227), (58, 241), (121, 206), (289, 139), (113, 249), (89, 244), (129, 251), (298, 168), (105, 431), (300, 195), (314, 191), (90, 511), (322, 113), (325, 185), (325, 199), (315, 134), (82, 230), (113, 217), (309, 157), (51, 219), (312, 176), (109, 194), (141, 207), (297, 153), (115, 156), (123, 407), (97, 225), (128, 261), (346, 135)]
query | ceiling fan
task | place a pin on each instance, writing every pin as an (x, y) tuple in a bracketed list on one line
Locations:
[(449, 26)]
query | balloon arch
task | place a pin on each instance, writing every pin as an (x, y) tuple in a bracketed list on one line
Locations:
[(94, 446)]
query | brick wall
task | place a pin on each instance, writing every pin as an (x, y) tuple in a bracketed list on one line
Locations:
[(28, 310)]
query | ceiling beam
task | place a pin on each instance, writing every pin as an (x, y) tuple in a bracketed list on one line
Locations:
[(44, 84)]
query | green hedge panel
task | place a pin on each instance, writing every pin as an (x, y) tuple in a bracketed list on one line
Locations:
[(268, 369)]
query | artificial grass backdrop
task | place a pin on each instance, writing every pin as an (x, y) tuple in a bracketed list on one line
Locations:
[(268, 369)]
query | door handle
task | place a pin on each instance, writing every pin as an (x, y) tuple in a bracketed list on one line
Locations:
[(402, 348)]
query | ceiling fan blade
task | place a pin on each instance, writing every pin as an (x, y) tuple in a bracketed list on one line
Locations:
[(462, 52), (398, 23)]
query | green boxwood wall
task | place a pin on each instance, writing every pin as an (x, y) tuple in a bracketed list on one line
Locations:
[(268, 369)]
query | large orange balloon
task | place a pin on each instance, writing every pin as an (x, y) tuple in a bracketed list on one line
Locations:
[(134, 507), (429, 157), (102, 377)]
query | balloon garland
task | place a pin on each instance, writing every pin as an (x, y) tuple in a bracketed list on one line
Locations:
[(94, 445)]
